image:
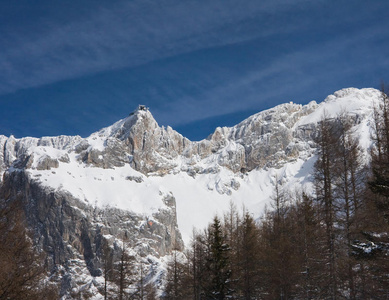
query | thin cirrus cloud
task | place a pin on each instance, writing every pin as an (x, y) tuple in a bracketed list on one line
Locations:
[(309, 68), (128, 34)]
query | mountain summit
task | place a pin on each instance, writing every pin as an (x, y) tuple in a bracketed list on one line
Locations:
[(151, 184)]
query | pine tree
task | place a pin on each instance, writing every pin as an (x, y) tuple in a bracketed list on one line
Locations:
[(198, 259), (218, 263)]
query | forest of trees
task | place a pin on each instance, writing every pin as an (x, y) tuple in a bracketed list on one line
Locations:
[(330, 245)]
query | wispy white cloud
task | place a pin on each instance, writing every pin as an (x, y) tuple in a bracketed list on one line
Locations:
[(311, 66), (128, 34)]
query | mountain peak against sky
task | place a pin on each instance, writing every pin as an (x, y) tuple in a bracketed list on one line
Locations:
[(205, 64), (121, 129), (333, 104), (117, 164)]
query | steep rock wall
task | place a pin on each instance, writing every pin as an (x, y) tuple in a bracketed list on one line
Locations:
[(73, 234)]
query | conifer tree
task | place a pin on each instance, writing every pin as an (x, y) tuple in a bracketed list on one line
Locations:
[(107, 269), (233, 236), (377, 264), (123, 271), (380, 155), (198, 259), (178, 278), (248, 260), (348, 183), (151, 292), (309, 247), (279, 269), (218, 263), (324, 175)]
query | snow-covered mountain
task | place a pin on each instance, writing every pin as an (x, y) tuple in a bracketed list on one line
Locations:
[(150, 182)]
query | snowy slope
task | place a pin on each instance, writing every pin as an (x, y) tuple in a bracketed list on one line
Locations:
[(197, 198), (134, 163)]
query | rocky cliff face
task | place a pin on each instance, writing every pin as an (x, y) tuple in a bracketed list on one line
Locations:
[(134, 179), (74, 230), (73, 234), (256, 142)]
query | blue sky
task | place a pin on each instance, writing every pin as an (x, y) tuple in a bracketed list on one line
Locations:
[(73, 67)]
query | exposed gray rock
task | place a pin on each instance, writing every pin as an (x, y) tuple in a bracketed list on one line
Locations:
[(235, 184), (72, 233), (16, 150), (153, 148), (10, 151), (138, 179), (25, 161), (46, 163), (82, 146), (267, 135), (64, 158)]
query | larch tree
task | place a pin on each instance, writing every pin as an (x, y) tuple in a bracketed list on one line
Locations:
[(380, 155), (278, 270), (232, 233), (22, 270), (378, 267), (309, 247), (123, 270), (248, 260), (178, 278), (324, 176)]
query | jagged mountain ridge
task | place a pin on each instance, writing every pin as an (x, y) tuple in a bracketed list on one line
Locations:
[(139, 141), (135, 177), (267, 139)]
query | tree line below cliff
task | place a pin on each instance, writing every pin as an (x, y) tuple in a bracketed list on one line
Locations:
[(333, 244)]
